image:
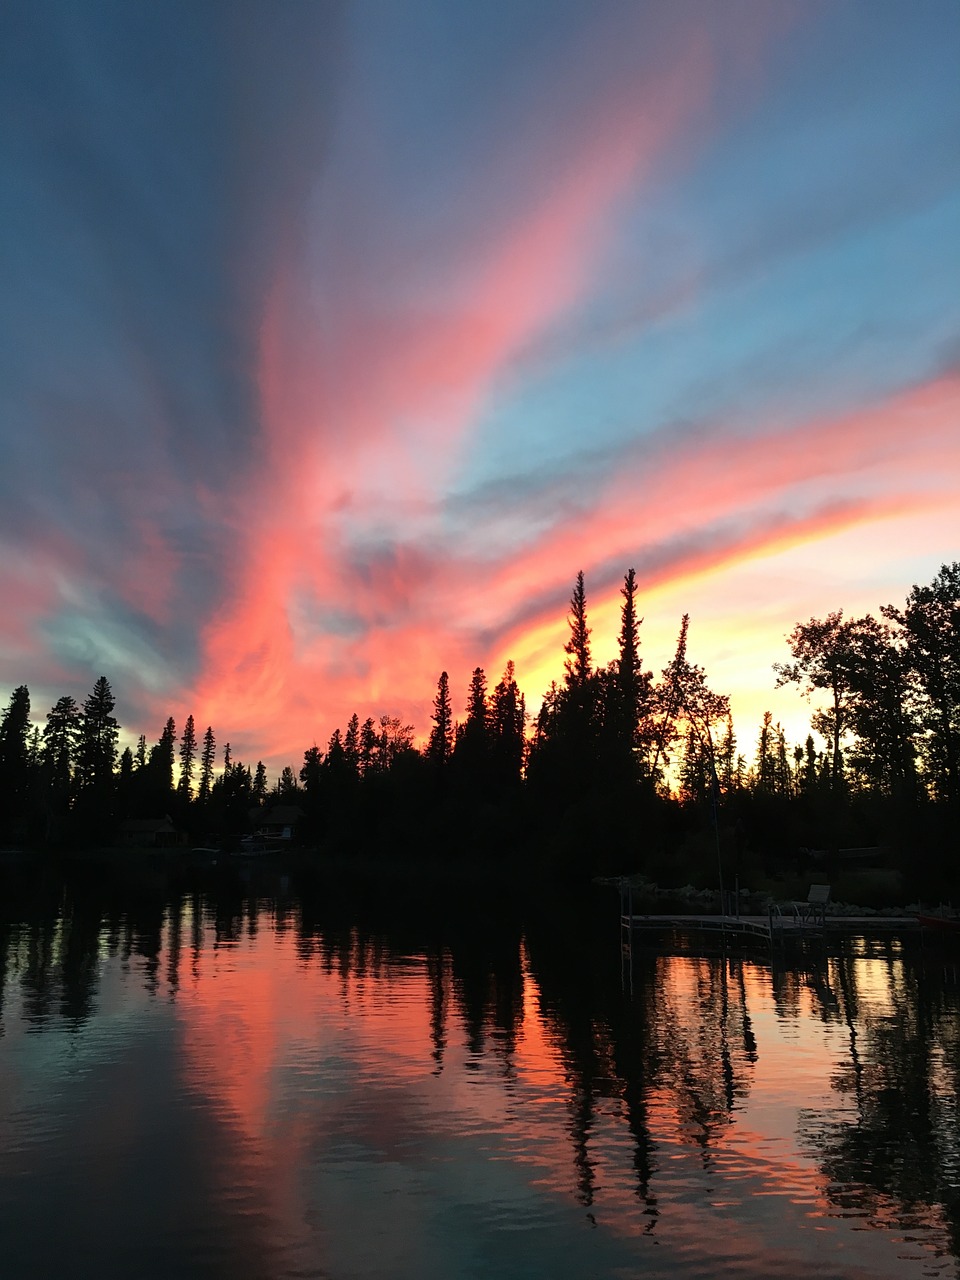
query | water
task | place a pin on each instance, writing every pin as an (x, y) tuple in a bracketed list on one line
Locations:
[(223, 1084)]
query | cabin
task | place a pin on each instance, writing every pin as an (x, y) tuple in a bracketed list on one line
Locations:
[(281, 823), (150, 833)]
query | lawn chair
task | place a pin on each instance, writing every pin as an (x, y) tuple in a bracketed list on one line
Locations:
[(813, 911)]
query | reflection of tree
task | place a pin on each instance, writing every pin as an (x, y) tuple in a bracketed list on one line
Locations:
[(898, 1150), (5, 944), (675, 1059), (488, 986), (705, 1044), (681, 1046), (39, 974), (79, 959)]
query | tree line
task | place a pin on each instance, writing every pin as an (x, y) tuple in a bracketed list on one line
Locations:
[(618, 769)]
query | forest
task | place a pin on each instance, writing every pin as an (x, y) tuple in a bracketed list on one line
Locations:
[(620, 770)]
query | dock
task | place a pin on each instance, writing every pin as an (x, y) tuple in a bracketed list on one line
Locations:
[(775, 926)]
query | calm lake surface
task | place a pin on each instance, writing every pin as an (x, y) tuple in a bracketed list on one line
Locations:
[(263, 1084)]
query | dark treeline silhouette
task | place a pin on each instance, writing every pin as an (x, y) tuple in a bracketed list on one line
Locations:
[(619, 771)]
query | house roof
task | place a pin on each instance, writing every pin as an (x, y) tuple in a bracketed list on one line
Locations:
[(145, 825), (284, 815)]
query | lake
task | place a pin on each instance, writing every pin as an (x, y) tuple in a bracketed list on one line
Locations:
[(251, 1080)]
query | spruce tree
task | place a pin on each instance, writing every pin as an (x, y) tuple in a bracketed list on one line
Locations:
[(259, 789), (471, 751), (162, 757), (14, 750), (188, 754), (208, 760), (369, 746), (351, 745), (99, 731), (508, 716), (440, 744), (61, 739), (577, 665)]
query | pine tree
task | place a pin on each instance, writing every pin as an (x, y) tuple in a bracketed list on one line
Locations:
[(336, 756), (125, 784), (14, 749), (61, 739), (766, 759), (577, 665), (440, 744), (310, 773), (99, 731), (508, 715), (727, 759), (627, 689), (162, 757), (628, 665), (208, 759), (351, 745), (259, 789), (472, 742), (477, 710), (369, 742), (287, 788), (188, 754)]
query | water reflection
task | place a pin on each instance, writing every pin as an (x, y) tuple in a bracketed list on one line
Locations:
[(278, 1084)]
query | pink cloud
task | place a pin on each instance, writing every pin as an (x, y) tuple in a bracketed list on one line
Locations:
[(408, 389)]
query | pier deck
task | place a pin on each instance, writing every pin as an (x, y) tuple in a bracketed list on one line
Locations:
[(766, 928)]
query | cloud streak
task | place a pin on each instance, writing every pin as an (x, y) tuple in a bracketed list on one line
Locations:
[(336, 343)]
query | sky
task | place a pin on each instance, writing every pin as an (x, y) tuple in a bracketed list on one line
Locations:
[(336, 338)]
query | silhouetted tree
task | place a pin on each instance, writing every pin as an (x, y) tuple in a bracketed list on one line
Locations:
[(14, 754), (930, 621), (631, 727), (882, 715), (727, 759), (126, 785), (287, 788), (61, 740), (577, 666), (96, 758), (765, 774), (823, 660), (259, 788), (369, 743), (336, 758), (208, 759), (351, 746), (508, 716), (472, 747), (188, 754), (162, 756), (99, 732), (311, 771), (440, 744)]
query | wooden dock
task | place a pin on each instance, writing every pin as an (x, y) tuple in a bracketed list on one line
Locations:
[(773, 927)]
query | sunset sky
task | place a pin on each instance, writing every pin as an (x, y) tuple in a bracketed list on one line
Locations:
[(335, 339)]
